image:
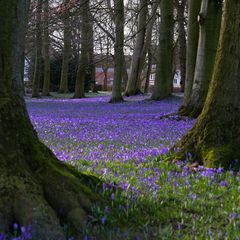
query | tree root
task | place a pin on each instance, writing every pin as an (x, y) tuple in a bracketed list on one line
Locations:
[(48, 198)]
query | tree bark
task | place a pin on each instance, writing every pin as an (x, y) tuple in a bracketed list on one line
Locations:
[(215, 137), (35, 188), (84, 56), (38, 54), (63, 88), (46, 45), (118, 52), (210, 22), (192, 45), (163, 81)]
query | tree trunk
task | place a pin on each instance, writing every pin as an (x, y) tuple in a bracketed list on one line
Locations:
[(163, 81), (63, 88), (38, 54), (84, 56), (91, 64), (192, 45), (215, 137), (36, 188), (46, 44), (105, 80), (210, 22), (125, 73), (149, 69), (132, 87), (180, 6), (118, 52)]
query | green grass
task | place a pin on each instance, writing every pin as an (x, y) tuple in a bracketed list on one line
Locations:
[(186, 205)]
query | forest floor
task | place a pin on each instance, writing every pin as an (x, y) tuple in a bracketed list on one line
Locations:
[(127, 145)]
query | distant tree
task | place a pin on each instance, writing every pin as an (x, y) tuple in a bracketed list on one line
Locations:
[(66, 48), (118, 51), (210, 22), (132, 87), (215, 137), (36, 188), (84, 53), (38, 51), (192, 45), (46, 45), (180, 7), (149, 69), (143, 42), (164, 76)]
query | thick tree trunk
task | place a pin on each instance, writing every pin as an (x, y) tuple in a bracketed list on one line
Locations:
[(46, 45), (84, 57), (63, 88), (192, 45), (132, 87), (163, 81), (210, 22), (35, 188), (38, 54), (118, 52), (215, 137)]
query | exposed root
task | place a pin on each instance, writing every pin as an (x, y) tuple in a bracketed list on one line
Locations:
[(189, 111), (47, 199)]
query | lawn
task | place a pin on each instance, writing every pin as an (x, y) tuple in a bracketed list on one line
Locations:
[(127, 145)]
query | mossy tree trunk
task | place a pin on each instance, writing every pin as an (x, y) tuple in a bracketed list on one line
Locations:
[(192, 45), (215, 137), (210, 22), (38, 51), (118, 52), (84, 55), (35, 188), (164, 77), (63, 88), (46, 45)]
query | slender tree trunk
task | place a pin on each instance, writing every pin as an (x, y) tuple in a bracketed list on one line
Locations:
[(38, 54), (180, 6), (215, 137), (125, 73), (192, 45), (210, 22), (134, 70), (118, 51), (91, 64), (105, 80), (148, 40), (163, 81), (84, 57), (63, 88), (36, 188), (46, 45), (149, 69)]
